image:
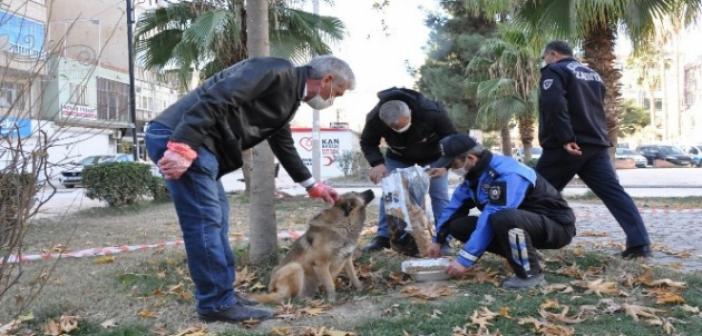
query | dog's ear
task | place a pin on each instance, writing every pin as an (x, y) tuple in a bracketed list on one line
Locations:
[(346, 206)]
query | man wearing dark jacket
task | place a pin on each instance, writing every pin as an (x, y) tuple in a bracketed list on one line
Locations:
[(519, 212), (200, 138), (573, 134), (412, 126)]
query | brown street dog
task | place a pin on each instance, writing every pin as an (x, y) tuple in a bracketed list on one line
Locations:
[(319, 255)]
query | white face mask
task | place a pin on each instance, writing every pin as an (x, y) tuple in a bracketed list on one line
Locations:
[(319, 103), (404, 129)]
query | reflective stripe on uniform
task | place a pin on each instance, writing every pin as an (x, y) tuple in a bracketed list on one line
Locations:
[(517, 242), (467, 255)]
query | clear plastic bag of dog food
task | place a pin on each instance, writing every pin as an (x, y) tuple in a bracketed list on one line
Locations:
[(403, 193)]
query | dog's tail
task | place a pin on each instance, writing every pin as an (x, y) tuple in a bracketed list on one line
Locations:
[(287, 282)]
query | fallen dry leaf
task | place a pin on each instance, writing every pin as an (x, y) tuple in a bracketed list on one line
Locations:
[(398, 279), (145, 313), (549, 303), (561, 317), (558, 288), (690, 309), (572, 271), (636, 311), (482, 318), (428, 292), (664, 323), (199, 330), (323, 331), (281, 331), (250, 323), (669, 298), (599, 287), (504, 312), (244, 277), (106, 259), (111, 323), (52, 328), (547, 329), (10, 328), (311, 311), (480, 276)]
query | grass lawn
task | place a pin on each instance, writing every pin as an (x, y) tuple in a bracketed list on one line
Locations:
[(150, 293)]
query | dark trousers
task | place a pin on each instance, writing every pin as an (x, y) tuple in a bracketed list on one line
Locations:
[(595, 169), (539, 232)]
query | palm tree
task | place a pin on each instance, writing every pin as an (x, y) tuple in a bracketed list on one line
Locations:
[(646, 63), (263, 245), (210, 35), (509, 89), (594, 23)]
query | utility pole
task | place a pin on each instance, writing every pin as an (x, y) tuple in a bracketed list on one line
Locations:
[(132, 89), (316, 136)]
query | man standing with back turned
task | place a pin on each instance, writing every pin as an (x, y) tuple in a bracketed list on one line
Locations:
[(573, 133)]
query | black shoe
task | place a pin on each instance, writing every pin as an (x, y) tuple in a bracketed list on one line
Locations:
[(378, 243), (244, 300), (643, 251), (237, 313)]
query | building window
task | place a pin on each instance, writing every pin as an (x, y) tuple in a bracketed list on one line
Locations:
[(659, 104), (78, 93), (113, 100), (21, 35), (12, 94)]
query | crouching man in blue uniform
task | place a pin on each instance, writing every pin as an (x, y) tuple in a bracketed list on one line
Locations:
[(520, 212)]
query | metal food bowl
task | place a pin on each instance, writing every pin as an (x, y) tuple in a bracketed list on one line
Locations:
[(425, 270)]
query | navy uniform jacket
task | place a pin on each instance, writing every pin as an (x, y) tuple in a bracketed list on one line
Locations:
[(505, 184), (571, 106)]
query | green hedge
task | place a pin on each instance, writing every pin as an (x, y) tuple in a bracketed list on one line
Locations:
[(14, 190), (158, 189), (118, 183)]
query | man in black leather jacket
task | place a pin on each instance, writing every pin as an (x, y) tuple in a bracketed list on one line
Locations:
[(412, 126), (200, 138)]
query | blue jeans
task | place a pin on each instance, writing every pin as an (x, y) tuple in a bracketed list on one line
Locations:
[(203, 213), (438, 192)]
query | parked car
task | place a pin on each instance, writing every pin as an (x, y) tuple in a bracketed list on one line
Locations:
[(626, 153), (695, 153), (130, 158), (535, 153), (73, 175), (668, 153)]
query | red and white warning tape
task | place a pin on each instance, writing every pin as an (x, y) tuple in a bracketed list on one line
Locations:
[(105, 251)]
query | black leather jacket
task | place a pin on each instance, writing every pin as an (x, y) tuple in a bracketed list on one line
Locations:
[(420, 143), (239, 107)]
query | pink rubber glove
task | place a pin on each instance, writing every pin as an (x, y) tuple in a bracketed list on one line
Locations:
[(176, 160), (323, 191)]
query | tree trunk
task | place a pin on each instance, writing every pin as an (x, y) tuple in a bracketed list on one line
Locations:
[(598, 47), (263, 241), (506, 141), (247, 157), (526, 133)]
